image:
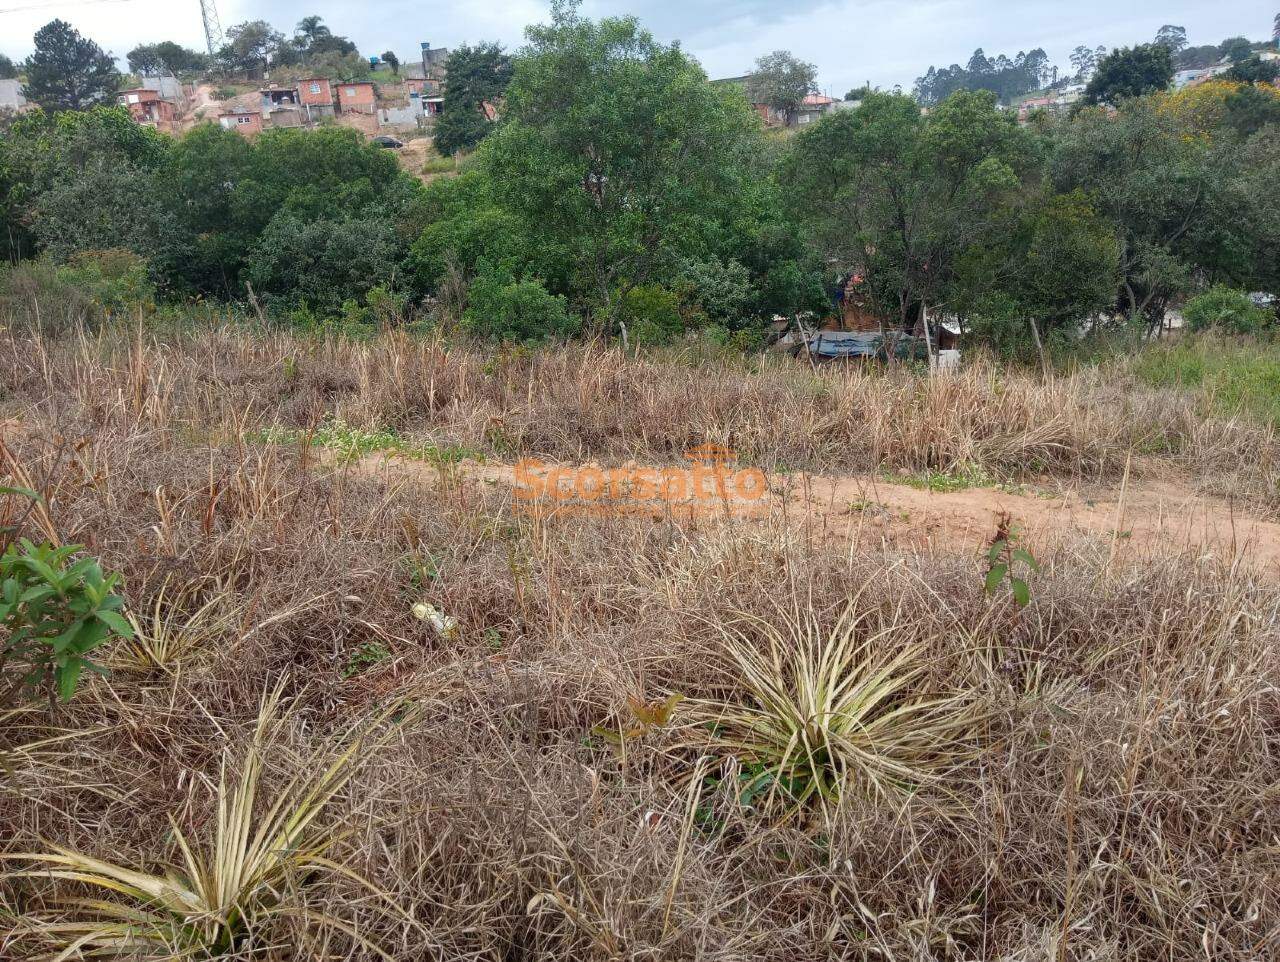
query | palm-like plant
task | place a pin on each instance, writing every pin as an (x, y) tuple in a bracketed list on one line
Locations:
[(163, 637), (222, 892), (813, 714)]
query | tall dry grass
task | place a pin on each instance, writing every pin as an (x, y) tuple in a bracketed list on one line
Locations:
[(1117, 800), (590, 402)]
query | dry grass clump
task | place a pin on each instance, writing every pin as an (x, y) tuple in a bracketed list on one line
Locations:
[(591, 402), (1109, 779)]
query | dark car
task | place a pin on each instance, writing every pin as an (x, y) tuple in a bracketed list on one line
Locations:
[(390, 142)]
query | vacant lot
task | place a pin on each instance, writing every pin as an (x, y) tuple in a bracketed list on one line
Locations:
[(622, 735)]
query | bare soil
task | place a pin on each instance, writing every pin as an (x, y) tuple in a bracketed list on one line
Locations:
[(1137, 518)]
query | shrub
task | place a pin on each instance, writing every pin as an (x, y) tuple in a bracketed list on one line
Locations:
[(1229, 311), (54, 611), (652, 314), (814, 714), (503, 309)]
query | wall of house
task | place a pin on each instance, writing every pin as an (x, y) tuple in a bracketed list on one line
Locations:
[(357, 98), (244, 124), (320, 96), (409, 116)]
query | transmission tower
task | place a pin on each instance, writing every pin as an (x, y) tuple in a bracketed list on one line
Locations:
[(212, 27)]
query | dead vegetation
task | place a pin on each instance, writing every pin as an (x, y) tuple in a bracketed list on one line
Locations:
[(1104, 789)]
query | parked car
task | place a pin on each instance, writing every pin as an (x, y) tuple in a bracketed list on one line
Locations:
[(390, 142)]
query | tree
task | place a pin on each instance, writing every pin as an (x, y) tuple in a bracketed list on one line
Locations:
[(477, 76), (157, 58), (1180, 199), (1173, 39), (1083, 59), (8, 70), (894, 196), (781, 82), (858, 93), (1254, 70), (312, 37), (1236, 49), (1053, 264), (389, 57), (68, 71), (1130, 72), (594, 186), (250, 46)]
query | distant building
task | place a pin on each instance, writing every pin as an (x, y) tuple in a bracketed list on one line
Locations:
[(315, 95), (148, 108), (813, 107), (11, 97), (357, 97), (434, 60), (244, 122)]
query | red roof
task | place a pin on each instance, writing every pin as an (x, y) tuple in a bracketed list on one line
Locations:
[(818, 100)]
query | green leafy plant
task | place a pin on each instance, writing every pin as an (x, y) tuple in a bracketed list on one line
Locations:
[(226, 891), (55, 609), (1003, 560), (811, 713), (1228, 311)]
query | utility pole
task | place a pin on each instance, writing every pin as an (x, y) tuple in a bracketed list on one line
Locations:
[(212, 27)]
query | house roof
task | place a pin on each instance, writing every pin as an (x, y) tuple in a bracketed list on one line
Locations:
[(817, 100)]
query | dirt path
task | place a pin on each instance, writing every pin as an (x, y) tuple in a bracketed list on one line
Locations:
[(1140, 518)]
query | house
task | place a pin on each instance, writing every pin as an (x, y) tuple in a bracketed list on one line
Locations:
[(813, 107), (357, 97), (434, 62), (148, 108), (11, 97), (247, 123), (315, 96), (169, 88)]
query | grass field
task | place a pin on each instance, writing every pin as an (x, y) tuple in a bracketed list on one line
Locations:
[(369, 716)]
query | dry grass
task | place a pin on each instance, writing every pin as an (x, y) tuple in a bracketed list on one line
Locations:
[(1117, 800), (588, 402)]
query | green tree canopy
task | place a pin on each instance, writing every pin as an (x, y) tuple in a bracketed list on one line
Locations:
[(781, 82), (68, 71), (1130, 72), (166, 56), (477, 76), (894, 196), (8, 69)]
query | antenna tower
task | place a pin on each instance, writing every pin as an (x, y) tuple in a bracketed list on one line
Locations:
[(212, 27)]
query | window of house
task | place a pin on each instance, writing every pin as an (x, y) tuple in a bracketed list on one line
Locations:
[(133, 98), (315, 88), (244, 120), (351, 91)]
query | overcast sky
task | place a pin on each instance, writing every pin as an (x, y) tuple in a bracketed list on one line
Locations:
[(884, 41)]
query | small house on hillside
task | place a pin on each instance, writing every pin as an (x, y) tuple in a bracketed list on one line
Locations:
[(247, 123), (357, 97), (148, 108)]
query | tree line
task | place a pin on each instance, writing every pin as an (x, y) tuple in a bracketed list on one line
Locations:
[(592, 206)]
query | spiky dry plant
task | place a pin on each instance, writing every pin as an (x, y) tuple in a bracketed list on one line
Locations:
[(164, 636), (813, 713), (225, 891)]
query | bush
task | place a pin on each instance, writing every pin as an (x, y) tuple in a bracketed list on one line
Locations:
[(652, 314), (1227, 311), (94, 286), (503, 309), (53, 612)]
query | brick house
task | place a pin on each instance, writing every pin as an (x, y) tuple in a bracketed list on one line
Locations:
[(247, 123), (315, 94), (357, 97), (148, 108)]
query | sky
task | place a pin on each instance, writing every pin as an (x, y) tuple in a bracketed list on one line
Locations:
[(885, 42)]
